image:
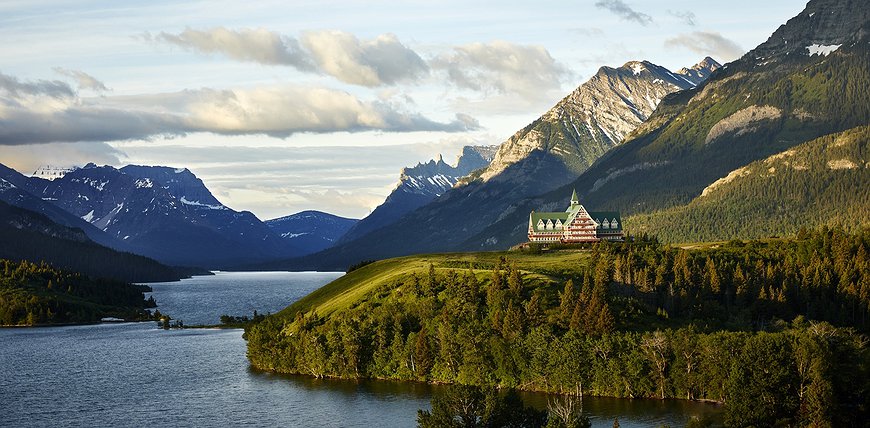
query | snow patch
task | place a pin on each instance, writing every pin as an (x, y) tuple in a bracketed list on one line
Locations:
[(88, 217), (637, 68), (823, 50), (144, 183), (200, 204), (293, 235)]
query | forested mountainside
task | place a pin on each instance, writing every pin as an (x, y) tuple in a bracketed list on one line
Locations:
[(825, 181)]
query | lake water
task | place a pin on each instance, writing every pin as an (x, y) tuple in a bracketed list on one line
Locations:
[(135, 375)]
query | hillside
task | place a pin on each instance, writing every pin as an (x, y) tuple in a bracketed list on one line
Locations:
[(825, 181), (26, 235), (624, 320)]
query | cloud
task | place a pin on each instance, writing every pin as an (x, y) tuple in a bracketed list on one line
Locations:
[(254, 45), (624, 11), (15, 88), (84, 80), (381, 61), (27, 159), (49, 111), (707, 43), (688, 17), (502, 67)]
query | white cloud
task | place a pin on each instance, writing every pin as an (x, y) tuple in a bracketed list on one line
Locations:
[(624, 11), (383, 60), (707, 43), (255, 45), (277, 111), (502, 67), (84, 80)]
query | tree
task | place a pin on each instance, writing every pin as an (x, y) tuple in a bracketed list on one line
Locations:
[(566, 412)]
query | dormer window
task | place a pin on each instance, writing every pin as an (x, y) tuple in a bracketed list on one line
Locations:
[(559, 224), (541, 224), (614, 224), (605, 224), (549, 224)]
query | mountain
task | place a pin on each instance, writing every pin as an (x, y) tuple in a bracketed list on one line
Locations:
[(591, 120), (810, 79), (825, 181), (13, 191), (546, 154), (164, 213), (420, 185), (311, 230), (27, 235)]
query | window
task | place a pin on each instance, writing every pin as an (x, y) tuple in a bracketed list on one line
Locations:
[(541, 224), (614, 224), (605, 224)]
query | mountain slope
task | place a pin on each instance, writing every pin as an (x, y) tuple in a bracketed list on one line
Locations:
[(311, 231), (420, 185), (822, 182), (773, 98), (26, 235), (14, 191)]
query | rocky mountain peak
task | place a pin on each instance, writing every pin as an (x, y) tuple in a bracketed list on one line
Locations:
[(700, 71), (595, 117), (821, 28)]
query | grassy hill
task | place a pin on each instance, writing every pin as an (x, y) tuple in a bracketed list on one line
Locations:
[(540, 269)]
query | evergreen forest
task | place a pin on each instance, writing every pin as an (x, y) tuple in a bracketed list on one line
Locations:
[(38, 294)]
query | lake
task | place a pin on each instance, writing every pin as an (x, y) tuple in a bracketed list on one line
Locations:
[(134, 374)]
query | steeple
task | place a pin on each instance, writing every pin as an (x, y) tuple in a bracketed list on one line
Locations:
[(574, 199)]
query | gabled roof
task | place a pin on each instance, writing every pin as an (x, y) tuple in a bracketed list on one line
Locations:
[(599, 217)]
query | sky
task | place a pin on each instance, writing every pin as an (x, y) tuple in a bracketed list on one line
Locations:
[(283, 106)]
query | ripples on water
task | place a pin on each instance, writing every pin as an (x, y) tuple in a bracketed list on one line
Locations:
[(119, 375)]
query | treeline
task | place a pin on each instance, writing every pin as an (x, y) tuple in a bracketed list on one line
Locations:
[(35, 294), (729, 324)]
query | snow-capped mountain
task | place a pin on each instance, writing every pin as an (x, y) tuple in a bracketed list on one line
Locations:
[(311, 231), (164, 213), (421, 184)]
